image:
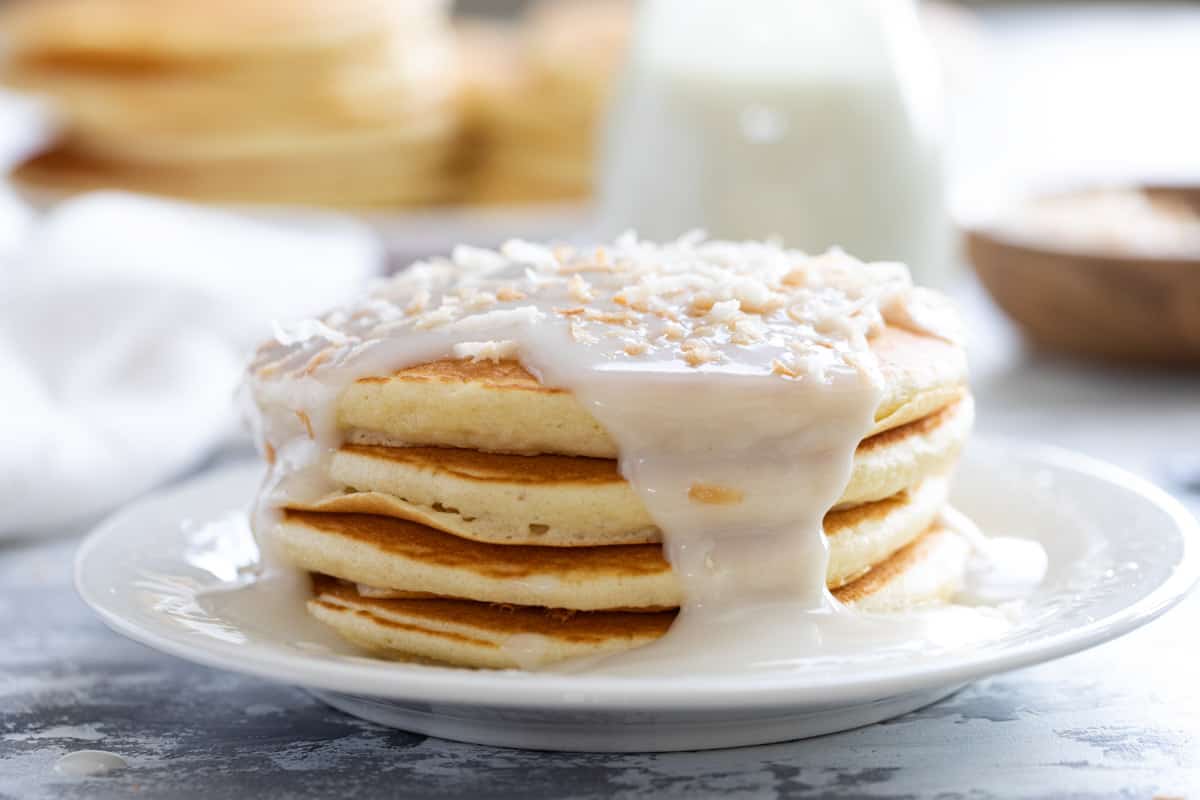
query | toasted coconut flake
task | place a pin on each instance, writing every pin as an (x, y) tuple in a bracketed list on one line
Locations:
[(724, 311), (715, 495), (320, 358), (701, 304), (795, 277), (418, 303), (307, 423), (579, 289), (752, 294), (494, 351), (747, 331), (674, 331), (442, 315), (475, 300), (786, 370), (697, 352), (610, 317), (579, 333)]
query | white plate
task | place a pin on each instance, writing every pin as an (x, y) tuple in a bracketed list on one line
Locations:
[(1121, 552)]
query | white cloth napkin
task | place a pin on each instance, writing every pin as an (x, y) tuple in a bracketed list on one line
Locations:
[(125, 323)]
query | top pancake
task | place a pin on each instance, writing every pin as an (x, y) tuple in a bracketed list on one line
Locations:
[(502, 407)]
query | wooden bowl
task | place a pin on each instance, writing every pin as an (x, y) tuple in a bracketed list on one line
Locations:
[(1117, 307)]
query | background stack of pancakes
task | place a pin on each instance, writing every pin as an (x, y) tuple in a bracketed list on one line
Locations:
[(350, 103), (356, 104), (482, 521), (536, 96)]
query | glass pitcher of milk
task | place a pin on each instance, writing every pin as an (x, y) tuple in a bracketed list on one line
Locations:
[(816, 121)]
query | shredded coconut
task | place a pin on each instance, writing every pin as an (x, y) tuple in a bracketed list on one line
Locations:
[(486, 351), (695, 301)]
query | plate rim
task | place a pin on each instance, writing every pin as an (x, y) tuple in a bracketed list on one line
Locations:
[(516, 689)]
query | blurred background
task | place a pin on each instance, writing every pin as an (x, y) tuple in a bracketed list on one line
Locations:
[(183, 173)]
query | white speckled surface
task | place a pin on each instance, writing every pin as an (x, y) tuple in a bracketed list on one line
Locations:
[(1122, 720)]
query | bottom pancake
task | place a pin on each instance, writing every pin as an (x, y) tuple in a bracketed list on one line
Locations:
[(470, 634), (466, 633)]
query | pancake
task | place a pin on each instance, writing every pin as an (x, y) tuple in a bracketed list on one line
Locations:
[(169, 100), (928, 571), (284, 102), (125, 33), (394, 98), (364, 180), (579, 42), (213, 126), (501, 407), (490, 60), (535, 101), (494, 188), (575, 50), (417, 141), (545, 168), (471, 634), (389, 553), (572, 501)]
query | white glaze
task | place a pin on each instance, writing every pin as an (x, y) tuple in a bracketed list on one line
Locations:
[(737, 380), (89, 763), (1002, 569)]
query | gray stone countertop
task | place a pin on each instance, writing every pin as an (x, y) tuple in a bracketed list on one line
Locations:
[(1121, 720)]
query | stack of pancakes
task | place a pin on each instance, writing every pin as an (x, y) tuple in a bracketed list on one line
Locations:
[(482, 520), (301, 102), (536, 96)]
